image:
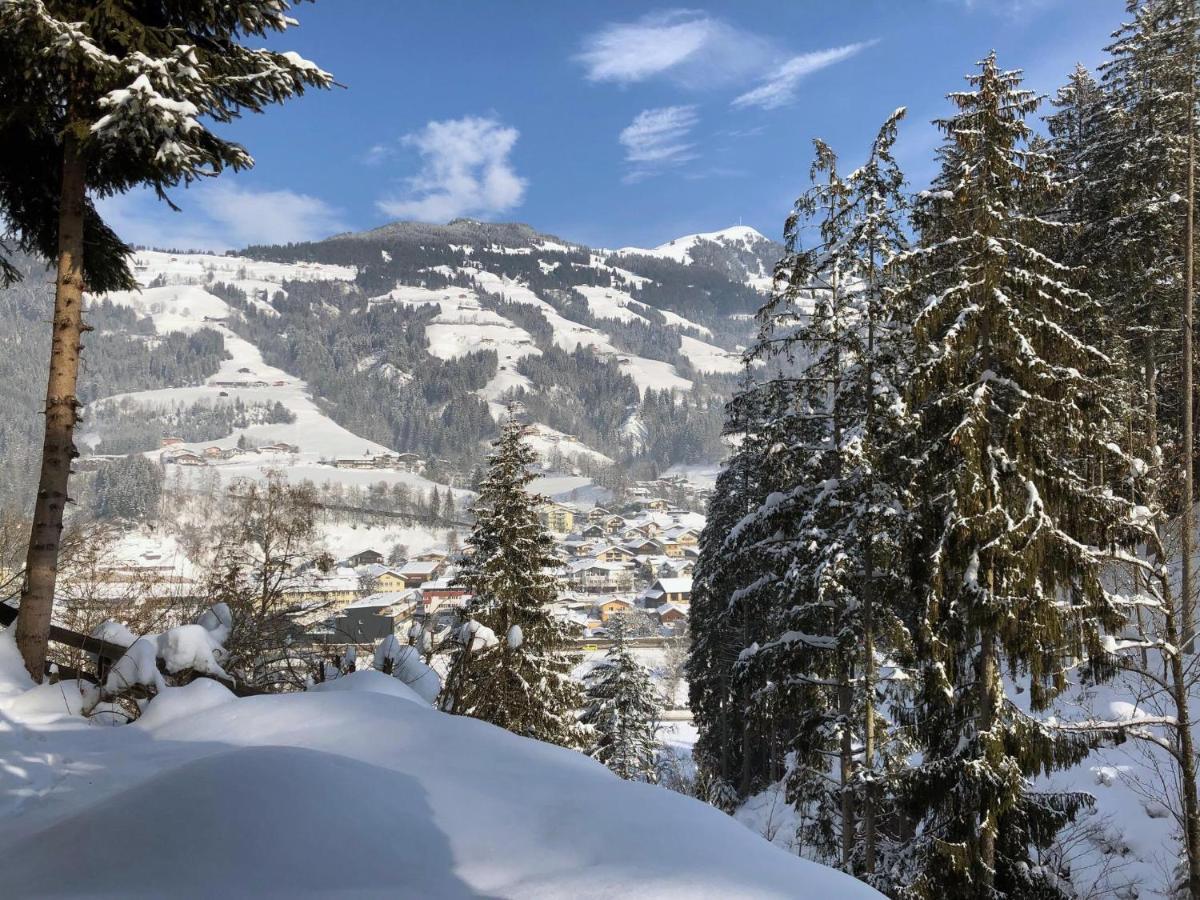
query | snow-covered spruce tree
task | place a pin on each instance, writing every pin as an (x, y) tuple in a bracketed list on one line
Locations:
[(1138, 176), (807, 342), (716, 631), (829, 536), (521, 681), (1078, 123), (102, 96), (1014, 524), (623, 709), (733, 569)]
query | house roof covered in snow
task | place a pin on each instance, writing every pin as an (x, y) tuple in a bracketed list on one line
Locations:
[(382, 599)]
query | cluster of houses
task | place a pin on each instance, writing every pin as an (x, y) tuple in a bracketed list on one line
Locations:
[(362, 599), (403, 462), (681, 489), (248, 383), (641, 558), (636, 562), (175, 453)]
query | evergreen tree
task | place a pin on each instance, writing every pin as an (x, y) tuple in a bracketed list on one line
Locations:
[(515, 672), (1012, 428), (1137, 174), (623, 710), (101, 97), (716, 624), (830, 531)]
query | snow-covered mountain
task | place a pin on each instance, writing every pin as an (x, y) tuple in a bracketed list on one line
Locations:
[(740, 252), (410, 338)]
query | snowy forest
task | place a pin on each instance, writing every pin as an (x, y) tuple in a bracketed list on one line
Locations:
[(962, 496), (463, 560)]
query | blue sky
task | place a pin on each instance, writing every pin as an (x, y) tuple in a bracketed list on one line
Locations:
[(613, 123)]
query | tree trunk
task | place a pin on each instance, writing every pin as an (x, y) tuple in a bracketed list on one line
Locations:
[(58, 449), (868, 613), (1182, 699), (747, 776), (846, 714), (988, 674), (1189, 444), (1186, 750), (868, 797)]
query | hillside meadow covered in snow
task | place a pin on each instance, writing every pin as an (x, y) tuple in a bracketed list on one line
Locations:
[(450, 557)]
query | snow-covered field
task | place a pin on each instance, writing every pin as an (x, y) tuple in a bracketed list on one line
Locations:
[(574, 488), (343, 539), (462, 326), (706, 357), (363, 791), (197, 268)]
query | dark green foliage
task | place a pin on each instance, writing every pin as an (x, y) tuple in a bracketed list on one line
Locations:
[(61, 61)]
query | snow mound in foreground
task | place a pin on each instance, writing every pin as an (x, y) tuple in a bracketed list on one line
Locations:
[(352, 792)]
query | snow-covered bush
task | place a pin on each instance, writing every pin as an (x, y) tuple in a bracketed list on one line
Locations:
[(154, 662), (405, 663)]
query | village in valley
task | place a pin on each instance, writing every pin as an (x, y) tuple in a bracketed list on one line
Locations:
[(636, 563), (633, 560)]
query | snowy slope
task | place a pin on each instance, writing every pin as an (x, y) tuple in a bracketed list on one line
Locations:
[(739, 239), (609, 303), (462, 325), (361, 792), (706, 357), (547, 441), (647, 373), (1127, 845), (680, 248), (199, 268), (187, 307)]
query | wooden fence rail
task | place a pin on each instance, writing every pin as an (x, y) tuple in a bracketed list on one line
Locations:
[(107, 653)]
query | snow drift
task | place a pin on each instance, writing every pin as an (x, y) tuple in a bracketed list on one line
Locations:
[(359, 791)]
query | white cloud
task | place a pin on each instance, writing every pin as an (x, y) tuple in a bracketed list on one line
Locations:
[(377, 154), (690, 47), (656, 139), (465, 169), (220, 215), (779, 87)]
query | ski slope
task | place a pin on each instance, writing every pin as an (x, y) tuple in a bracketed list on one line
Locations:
[(680, 250)]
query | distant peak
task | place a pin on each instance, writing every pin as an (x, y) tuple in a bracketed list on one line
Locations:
[(742, 234)]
